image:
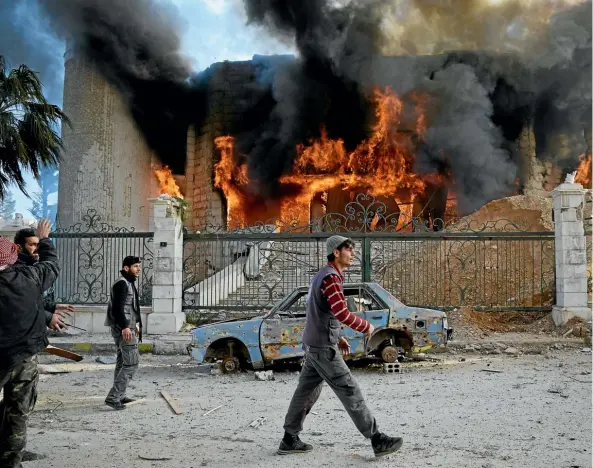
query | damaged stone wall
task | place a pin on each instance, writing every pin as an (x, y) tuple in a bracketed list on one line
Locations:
[(225, 86), (108, 166)]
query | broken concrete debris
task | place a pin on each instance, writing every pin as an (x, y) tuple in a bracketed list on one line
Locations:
[(264, 375), (258, 422), (105, 360)]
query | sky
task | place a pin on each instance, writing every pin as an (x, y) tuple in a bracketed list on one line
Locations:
[(215, 31)]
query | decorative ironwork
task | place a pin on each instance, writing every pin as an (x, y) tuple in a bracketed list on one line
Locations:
[(91, 222), (365, 215), (495, 265), (91, 253)]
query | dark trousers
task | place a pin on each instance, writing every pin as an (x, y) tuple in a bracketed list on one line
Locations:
[(327, 365), (20, 395), (126, 364)]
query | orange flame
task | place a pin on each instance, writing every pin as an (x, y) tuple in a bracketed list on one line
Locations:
[(383, 165), (583, 176), (167, 184)]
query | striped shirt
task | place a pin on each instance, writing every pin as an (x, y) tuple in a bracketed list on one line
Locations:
[(332, 290)]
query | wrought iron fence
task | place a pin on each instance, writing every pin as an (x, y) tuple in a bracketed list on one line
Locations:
[(444, 264), (91, 253)]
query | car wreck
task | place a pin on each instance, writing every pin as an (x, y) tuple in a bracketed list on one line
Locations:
[(276, 336)]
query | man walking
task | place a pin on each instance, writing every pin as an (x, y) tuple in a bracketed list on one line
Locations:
[(124, 319), (22, 335), (326, 308), (27, 242)]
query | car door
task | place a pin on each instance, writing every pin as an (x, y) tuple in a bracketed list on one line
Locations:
[(357, 305), (281, 333)]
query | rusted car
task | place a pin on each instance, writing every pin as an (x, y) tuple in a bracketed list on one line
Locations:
[(276, 336)]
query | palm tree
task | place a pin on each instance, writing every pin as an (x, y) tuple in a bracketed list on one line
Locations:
[(28, 124)]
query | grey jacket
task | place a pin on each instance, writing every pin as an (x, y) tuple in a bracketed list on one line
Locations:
[(322, 329), (123, 310)]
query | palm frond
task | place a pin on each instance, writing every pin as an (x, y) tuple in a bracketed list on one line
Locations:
[(28, 124)]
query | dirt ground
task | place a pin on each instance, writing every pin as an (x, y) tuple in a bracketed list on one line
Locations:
[(535, 411)]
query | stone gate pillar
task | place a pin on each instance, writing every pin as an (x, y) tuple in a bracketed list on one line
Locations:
[(570, 252), (167, 291)]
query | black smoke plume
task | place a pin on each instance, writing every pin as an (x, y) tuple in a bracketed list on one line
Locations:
[(481, 100), (136, 45)]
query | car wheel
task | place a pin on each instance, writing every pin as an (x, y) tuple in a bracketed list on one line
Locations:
[(230, 365), (389, 354)]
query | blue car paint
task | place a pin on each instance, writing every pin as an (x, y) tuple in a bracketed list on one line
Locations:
[(262, 347)]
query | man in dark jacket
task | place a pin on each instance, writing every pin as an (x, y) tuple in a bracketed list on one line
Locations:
[(326, 309), (22, 335), (27, 242), (124, 319)]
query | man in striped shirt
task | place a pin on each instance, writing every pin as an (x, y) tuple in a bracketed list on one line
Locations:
[(323, 344)]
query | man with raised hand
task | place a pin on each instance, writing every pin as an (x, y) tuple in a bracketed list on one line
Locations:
[(326, 309), (23, 334)]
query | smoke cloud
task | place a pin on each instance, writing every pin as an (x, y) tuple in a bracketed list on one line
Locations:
[(500, 68), (136, 46), (489, 70)]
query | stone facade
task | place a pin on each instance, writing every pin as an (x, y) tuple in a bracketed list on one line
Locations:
[(107, 165), (225, 88)]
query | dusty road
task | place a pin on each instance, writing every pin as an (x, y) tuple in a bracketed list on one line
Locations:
[(535, 413)]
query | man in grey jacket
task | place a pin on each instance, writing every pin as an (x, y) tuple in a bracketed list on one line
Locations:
[(323, 344), (124, 319)]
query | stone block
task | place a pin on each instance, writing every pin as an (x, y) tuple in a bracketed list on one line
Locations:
[(561, 315), (159, 324), (161, 291), (571, 299), (562, 243), (569, 228), (565, 215), (564, 270), (83, 319), (571, 285), (161, 306), (98, 321)]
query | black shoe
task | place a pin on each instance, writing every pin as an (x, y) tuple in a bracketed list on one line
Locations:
[(30, 456), (292, 444), (384, 445), (116, 405), (126, 400)]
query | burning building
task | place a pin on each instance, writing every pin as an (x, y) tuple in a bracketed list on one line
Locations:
[(430, 133)]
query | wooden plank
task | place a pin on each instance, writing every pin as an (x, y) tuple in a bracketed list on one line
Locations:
[(63, 353), (171, 401)]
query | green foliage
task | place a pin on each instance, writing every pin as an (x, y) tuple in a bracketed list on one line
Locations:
[(28, 123)]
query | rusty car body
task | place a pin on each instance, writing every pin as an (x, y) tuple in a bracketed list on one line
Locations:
[(276, 335)]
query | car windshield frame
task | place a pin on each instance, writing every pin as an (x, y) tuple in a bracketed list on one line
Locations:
[(298, 292)]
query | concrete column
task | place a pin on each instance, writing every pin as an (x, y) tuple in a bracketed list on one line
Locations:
[(167, 291), (571, 253)]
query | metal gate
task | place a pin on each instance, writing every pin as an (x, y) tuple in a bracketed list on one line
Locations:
[(497, 266)]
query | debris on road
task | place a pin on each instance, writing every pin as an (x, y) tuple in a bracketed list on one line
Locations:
[(494, 371), (105, 360), (512, 351), (212, 410), (154, 457), (258, 422), (136, 402), (265, 375), (172, 402)]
